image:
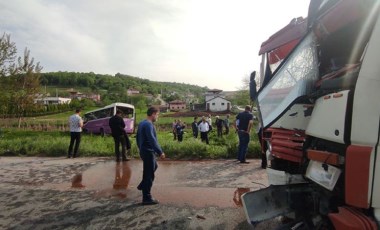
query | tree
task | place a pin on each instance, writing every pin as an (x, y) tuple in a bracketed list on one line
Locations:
[(242, 95), (140, 105), (20, 79)]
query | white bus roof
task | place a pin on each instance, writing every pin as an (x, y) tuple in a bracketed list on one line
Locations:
[(113, 105)]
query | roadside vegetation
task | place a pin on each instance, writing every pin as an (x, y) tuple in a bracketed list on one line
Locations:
[(18, 142)]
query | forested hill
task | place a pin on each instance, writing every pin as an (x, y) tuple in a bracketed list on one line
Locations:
[(117, 83)]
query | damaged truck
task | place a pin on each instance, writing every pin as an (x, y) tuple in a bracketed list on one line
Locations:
[(319, 109)]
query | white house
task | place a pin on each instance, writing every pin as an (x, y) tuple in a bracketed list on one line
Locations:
[(218, 104), (212, 93), (53, 100)]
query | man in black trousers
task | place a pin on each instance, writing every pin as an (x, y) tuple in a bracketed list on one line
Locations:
[(119, 135)]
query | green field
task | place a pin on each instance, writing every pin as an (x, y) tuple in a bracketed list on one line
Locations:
[(49, 136)]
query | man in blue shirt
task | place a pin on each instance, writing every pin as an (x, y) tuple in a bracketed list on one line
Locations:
[(245, 120), (147, 143)]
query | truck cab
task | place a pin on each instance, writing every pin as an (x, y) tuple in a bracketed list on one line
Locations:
[(320, 114)]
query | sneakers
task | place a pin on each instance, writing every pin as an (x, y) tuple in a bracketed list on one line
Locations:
[(150, 202), (244, 162)]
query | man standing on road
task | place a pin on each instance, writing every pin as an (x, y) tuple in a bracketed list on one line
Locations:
[(147, 143), (119, 135), (75, 124), (245, 119)]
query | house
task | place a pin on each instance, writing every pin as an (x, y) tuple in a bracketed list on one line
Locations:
[(218, 104), (177, 105), (80, 96), (52, 100), (212, 93), (131, 92), (216, 101)]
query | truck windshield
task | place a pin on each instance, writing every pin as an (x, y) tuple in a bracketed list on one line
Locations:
[(294, 79)]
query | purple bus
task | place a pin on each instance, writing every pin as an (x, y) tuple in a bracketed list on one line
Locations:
[(96, 121)]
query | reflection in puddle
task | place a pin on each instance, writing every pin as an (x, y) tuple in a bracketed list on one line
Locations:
[(122, 176), (76, 182), (237, 195), (119, 180)]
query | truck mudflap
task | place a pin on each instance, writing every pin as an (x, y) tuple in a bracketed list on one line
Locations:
[(277, 200)]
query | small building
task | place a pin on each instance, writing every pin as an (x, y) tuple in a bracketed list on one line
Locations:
[(52, 100), (131, 92), (80, 96), (212, 93), (177, 105), (218, 104)]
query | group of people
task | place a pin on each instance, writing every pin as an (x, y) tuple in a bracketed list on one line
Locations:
[(149, 148)]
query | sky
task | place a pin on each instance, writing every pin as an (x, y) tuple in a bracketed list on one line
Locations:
[(212, 43)]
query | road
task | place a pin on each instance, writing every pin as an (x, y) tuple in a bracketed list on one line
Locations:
[(98, 193)]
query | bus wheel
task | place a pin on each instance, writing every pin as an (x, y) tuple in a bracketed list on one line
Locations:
[(102, 132)]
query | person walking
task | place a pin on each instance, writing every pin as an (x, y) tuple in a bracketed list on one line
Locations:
[(219, 123), (245, 119), (180, 130), (148, 146), (174, 130), (204, 128), (227, 124), (194, 127), (75, 124), (119, 135)]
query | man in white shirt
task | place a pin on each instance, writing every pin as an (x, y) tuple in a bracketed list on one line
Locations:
[(75, 124), (204, 128)]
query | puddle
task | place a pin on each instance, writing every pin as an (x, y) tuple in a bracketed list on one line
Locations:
[(171, 186)]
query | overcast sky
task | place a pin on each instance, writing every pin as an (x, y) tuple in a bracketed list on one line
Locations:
[(211, 43)]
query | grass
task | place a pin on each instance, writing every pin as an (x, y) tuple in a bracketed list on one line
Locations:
[(48, 136), (15, 142)]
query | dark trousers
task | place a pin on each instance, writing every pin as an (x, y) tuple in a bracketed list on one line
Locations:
[(195, 134), (220, 131), (227, 129), (180, 137), (204, 137), (243, 145), (149, 168), (120, 140), (74, 138)]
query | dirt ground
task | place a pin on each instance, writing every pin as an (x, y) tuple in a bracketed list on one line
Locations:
[(98, 193)]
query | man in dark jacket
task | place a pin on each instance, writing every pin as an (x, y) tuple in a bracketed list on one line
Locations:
[(119, 135)]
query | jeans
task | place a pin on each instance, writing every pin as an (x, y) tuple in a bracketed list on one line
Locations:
[(243, 145), (149, 168), (74, 138), (120, 140)]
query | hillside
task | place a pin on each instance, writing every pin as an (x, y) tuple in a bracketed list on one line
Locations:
[(115, 87)]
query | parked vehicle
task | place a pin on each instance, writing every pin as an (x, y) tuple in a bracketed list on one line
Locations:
[(320, 113), (96, 121)]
